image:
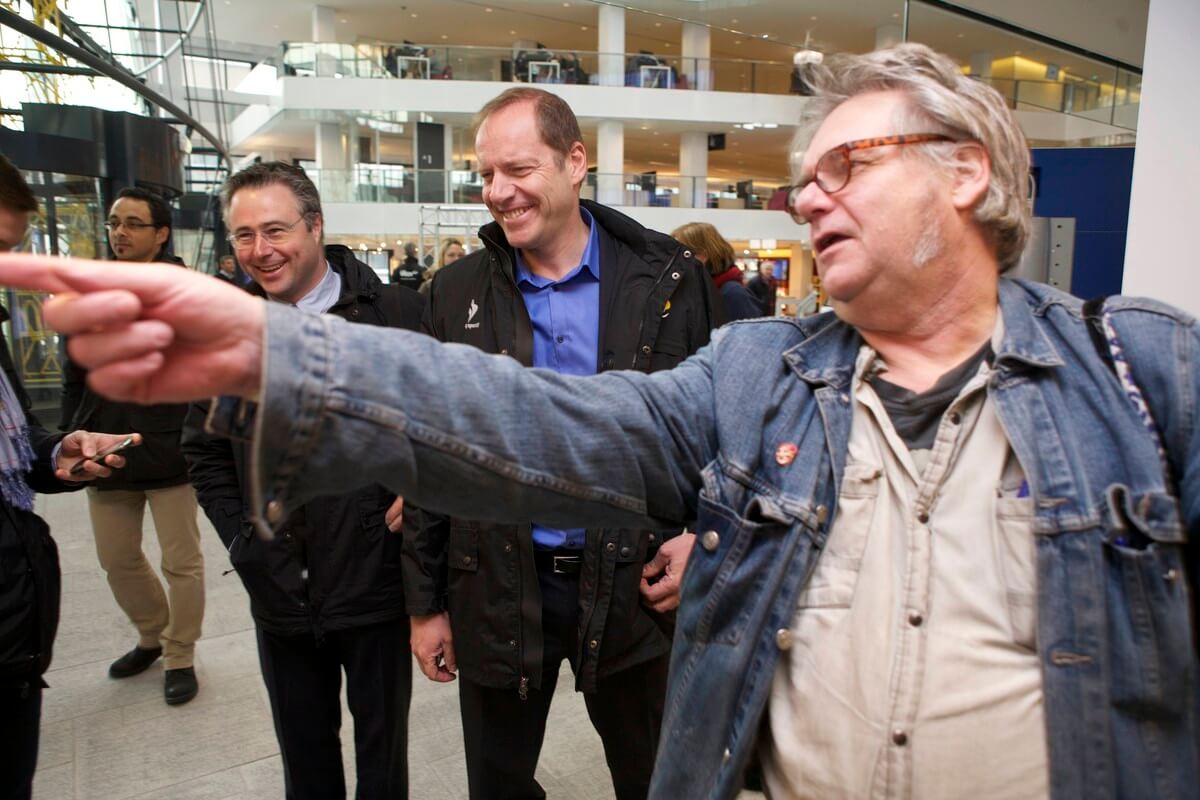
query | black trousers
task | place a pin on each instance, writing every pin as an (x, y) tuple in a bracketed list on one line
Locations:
[(503, 734), (304, 681), (20, 715)]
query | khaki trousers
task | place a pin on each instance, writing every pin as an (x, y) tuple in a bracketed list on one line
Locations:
[(172, 618)]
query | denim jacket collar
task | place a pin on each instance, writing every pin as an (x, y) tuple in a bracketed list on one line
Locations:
[(1025, 341), (827, 353)]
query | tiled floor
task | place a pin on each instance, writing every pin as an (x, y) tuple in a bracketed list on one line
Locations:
[(110, 739)]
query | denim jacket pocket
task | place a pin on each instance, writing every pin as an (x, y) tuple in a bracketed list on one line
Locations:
[(1018, 565), (1149, 616), (722, 583), (836, 574)]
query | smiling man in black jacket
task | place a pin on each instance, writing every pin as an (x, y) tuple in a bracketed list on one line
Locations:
[(326, 592), (578, 288)]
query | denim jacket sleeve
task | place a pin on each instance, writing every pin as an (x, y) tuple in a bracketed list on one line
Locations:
[(1162, 346), (451, 428)]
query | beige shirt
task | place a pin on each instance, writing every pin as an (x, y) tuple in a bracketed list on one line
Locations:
[(914, 671)]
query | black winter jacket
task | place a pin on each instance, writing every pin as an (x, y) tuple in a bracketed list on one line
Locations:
[(657, 306), (341, 543), (29, 575), (158, 462)]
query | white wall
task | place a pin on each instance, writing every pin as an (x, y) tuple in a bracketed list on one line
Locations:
[(1160, 251), (588, 102)]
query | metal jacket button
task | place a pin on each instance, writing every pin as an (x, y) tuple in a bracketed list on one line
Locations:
[(923, 517), (822, 513), (646, 349), (899, 738), (915, 619), (610, 546), (274, 512), (710, 541), (783, 639)]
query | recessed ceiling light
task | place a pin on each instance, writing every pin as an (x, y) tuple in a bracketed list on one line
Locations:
[(1016, 52), (658, 24), (897, 14), (766, 35), (488, 10), (961, 35), (444, 36), (814, 19), (566, 5), (734, 21), (413, 15)]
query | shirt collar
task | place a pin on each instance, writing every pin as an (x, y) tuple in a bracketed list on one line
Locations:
[(324, 294), (589, 262)]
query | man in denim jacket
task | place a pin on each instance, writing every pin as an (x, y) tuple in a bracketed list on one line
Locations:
[(939, 554)]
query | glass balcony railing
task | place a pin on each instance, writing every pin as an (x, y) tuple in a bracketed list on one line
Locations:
[(386, 183), (1032, 72), (429, 62)]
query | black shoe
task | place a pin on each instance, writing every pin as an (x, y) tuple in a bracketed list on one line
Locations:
[(179, 685), (134, 662)]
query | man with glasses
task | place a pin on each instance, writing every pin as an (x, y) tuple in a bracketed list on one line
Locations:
[(168, 623), (945, 537), (326, 592)]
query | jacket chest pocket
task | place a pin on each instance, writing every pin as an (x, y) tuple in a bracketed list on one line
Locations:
[(1149, 616), (726, 576), (836, 574), (463, 551)]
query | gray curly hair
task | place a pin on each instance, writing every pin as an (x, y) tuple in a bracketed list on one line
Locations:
[(942, 100)]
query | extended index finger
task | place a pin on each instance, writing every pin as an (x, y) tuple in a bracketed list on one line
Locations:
[(50, 274), (35, 273)]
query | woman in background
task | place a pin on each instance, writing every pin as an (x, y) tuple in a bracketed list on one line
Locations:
[(452, 251), (711, 249)]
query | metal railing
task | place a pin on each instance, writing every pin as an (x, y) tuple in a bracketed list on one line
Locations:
[(432, 62), (387, 183)]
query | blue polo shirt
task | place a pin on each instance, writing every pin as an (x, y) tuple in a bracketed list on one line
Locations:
[(566, 334)]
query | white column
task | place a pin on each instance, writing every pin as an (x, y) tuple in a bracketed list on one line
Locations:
[(888, 35), (332, 149), (697, 48), (448, 163), (1166, 170), (693, 169), (324, 29), (610, 162), (611, 45), (324, 24)]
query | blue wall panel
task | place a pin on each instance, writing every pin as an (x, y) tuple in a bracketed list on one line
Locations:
[(1091, 184)]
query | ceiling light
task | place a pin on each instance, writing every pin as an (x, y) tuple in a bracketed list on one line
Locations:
[(766, 35), (343, 21), (897, 14), (734, 21), (961, 35), (488, 10), (444, 36), (658, 24), (583, 27), (512, 33), (413, 15), (737, 41), (814, 19)]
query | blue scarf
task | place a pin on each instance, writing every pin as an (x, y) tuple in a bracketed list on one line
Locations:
[(16, 454)]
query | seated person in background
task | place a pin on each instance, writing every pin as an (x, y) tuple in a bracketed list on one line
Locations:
[(711, 250)]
